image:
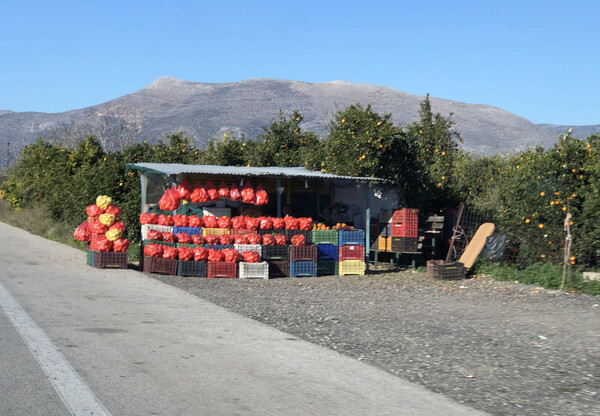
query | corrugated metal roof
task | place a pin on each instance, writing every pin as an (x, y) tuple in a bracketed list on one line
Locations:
[(299, 172)]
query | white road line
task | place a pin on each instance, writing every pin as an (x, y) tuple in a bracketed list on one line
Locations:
[(73, 391)]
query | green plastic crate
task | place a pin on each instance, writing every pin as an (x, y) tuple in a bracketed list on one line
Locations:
[(325, 237), (327, 268)]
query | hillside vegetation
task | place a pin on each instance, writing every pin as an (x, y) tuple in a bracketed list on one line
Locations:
[(527, 194)]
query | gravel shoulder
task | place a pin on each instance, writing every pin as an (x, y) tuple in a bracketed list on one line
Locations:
[(501, 347)]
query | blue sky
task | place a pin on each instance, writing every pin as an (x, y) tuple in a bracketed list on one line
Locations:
[(537, 59)]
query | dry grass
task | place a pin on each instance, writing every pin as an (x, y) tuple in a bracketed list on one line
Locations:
[(39, 222)]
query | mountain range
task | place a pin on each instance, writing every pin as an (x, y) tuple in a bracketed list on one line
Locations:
[(205, 110)]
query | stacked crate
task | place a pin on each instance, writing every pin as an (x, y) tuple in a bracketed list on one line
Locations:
[(153, 264), (351, 252), (221, 269), (107, 259), (405, 230), (254, 270), (278, 258), (303, 261), (190, 267), (327, 259), (327, 242), (384, 239)]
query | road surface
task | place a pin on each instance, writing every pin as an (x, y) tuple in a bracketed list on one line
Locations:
[(78, 340)]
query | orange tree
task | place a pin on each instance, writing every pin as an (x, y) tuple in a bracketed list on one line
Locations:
[(530, 194), (580, 173), (65, 181), (434, 146), (478, 180), (228, 151), (285, 143), (43, 175), (363, 143)]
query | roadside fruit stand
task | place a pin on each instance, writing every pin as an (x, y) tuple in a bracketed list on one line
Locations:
[(243, 222)]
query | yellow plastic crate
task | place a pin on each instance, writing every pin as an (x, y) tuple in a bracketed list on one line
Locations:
[(352, 267), (215, 231), (384, 243)]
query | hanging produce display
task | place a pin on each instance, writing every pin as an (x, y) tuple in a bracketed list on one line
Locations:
[(103, 232), (261, 198), (234, 192), (170, 200), (193, 241), (211, 191), (184, 190), (198, 194), (248, 196)]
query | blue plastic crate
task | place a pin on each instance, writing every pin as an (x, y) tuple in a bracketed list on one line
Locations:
[(303, 269), (188, 230), (356, 237), (327, 252)]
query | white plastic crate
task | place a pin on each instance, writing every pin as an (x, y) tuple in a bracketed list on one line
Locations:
[(161, 228), (217, 212), (248, 247), (254, 270)]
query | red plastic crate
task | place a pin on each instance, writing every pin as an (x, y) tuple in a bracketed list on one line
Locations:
[(406, 215), (160, 265), (110, 259), (303, 253), (221, 269), (352, 252), (405, 230)]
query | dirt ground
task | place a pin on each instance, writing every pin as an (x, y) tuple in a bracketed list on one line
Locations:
[(501, 347)]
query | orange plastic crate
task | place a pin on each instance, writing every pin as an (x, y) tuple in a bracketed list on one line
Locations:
[(215, 231), (384, 243)]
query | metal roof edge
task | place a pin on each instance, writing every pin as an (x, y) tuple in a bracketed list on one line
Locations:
[(300, 171)]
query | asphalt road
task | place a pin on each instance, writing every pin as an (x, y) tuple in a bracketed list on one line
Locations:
[(78, 340)]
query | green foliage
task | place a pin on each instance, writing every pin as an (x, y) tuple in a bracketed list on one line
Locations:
[(229, 151), (546, 275), (529, 193), (363, 143), (284, 143), (434, 146), (64, 182)]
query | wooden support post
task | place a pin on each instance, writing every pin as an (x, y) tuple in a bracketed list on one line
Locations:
[(144, 190), (567, 255)]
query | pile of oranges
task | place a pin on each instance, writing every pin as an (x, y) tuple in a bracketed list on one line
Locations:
[(340, 226), (320, 226)]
